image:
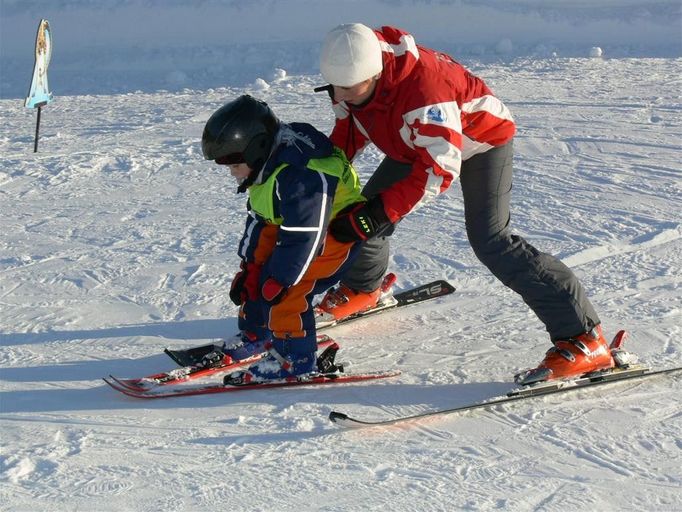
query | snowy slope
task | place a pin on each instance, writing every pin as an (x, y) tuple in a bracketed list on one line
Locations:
[(119, 240)]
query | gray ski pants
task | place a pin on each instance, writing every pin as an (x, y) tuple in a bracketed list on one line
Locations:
[(545, 284)]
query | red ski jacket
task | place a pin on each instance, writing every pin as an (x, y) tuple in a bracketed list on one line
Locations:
[(427, 110)]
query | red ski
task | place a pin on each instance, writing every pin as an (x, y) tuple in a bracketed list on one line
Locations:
[(187, 373), (207, 389)]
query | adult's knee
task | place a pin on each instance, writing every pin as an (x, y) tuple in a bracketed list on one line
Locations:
[(491, 248)]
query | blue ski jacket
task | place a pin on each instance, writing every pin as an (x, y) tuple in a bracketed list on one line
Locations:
[(303, 185)]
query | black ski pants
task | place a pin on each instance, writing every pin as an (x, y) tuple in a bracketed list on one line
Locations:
[(545, 284)]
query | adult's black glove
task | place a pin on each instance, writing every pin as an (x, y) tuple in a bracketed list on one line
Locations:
[(359, 221)]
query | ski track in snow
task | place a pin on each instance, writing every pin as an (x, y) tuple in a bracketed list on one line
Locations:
[(119, 240)]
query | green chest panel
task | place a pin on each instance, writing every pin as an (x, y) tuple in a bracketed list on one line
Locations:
[(261, 197)]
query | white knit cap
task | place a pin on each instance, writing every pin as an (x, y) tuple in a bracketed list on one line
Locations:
[(350, 54)]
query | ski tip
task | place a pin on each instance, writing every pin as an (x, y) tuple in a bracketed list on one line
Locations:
[(343, 420), (439, 288), (336, 417), (448, 286), (111, 382), (110, 379)]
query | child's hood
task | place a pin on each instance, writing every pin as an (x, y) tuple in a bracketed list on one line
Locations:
[(296, 144)]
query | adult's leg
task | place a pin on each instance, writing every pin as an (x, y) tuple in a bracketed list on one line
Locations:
[(370, 266), (548, 286)]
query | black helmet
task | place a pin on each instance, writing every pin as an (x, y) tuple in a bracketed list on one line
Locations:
[(241, 131)]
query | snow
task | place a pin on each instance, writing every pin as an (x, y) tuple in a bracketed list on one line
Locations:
[(119, 240), (595, 51)]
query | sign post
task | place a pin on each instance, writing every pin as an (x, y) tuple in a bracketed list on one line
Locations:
[(39, 94)]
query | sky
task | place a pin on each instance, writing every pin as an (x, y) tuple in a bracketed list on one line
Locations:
[(103, 46)]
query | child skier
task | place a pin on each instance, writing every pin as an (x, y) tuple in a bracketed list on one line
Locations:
[(297, 181)]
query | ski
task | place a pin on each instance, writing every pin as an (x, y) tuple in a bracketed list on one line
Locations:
[(207, 389), (544, 389), (185, 373), (422, 293), (433, 290)]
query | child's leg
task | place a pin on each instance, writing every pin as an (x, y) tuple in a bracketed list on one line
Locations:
[(251, 321), (292, 318), (261, 243), (292, 321)]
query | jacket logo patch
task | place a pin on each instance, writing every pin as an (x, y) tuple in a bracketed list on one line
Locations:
[(436, 114)]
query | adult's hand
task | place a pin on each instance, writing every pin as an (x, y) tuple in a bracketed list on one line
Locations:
[(359, 221)]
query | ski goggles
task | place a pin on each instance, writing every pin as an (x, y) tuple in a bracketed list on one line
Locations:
[(232, 158)]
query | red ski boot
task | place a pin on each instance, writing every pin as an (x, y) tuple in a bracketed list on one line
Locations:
[(342, 302), (573, 357)]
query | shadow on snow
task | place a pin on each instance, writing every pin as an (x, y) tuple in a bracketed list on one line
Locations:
[(187, 330), (388, 395)]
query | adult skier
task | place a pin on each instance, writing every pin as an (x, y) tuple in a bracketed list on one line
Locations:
[(435, 122)]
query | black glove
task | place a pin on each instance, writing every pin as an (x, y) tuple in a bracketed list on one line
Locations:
[(359, 221)]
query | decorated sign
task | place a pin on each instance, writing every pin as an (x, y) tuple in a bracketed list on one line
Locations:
[(39, 94)]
